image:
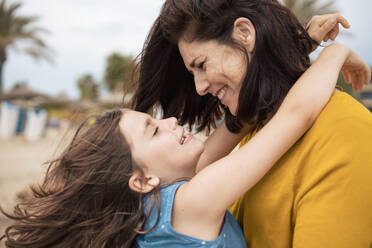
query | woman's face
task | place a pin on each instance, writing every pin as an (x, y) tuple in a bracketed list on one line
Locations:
[(161, 147), (217, 69)]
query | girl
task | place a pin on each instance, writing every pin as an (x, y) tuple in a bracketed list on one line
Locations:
[(105, 188)]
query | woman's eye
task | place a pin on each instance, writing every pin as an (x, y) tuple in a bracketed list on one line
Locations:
[(155, 131)]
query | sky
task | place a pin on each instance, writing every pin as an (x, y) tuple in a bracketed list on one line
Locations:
[(82, 33)]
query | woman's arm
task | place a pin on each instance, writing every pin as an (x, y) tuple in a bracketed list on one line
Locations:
[(217, 186)]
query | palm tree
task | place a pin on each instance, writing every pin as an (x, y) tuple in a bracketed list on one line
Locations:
[(305, 9), (15, 28), (118, 71), (88, 87)]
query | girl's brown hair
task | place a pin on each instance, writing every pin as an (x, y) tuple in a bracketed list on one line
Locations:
[(279, 58), (85, 200)]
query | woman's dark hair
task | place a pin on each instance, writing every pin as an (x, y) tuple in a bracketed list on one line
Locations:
[(279, 57), (85, 200)]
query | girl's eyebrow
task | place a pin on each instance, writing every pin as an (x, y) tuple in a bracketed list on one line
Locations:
[(148, 122)]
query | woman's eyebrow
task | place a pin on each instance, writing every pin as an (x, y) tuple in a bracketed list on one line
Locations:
[(192, 64)]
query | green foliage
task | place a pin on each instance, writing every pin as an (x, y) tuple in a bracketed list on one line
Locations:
[(342, 85), (348, 88), (118, 71), (88, 88), (305, 9)]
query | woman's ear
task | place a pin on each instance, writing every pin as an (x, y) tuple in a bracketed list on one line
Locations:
[(143, 184), (245, 33)]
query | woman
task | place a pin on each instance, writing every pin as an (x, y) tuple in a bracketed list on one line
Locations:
[(243, 57)]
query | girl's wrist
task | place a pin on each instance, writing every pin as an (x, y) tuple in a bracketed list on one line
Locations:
[(337, 53), (337, 50)]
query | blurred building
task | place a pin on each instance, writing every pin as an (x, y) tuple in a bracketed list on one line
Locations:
[(23, 96), (20, 113)]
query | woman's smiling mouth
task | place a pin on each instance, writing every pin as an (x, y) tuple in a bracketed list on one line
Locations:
[(221, 93)]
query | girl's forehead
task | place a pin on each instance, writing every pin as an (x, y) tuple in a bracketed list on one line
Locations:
[(137, 128), (132, 125)]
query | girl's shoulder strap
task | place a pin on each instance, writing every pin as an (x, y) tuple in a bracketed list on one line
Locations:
[(168, 193)]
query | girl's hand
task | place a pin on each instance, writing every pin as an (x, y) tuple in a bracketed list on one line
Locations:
[(356, 71), (325, 27)]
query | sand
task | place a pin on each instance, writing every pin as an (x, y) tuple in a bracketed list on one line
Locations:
[(21, 164)]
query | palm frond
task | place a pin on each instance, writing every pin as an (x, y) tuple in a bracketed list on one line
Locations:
[(14, 28), (38, 54), (12, 8), (21, 23), (33, 39)]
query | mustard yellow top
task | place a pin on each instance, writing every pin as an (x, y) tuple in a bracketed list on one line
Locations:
[(319, 194)]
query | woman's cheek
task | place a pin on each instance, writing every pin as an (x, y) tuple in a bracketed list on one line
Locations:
[(233, 105)]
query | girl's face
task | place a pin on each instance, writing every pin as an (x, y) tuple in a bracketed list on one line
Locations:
[(217, 69), (161, 147)]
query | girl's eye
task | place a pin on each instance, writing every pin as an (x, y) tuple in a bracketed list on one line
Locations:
[(156, 131), (201, 65)]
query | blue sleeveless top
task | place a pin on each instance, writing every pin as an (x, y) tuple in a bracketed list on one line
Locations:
[(163, 235)]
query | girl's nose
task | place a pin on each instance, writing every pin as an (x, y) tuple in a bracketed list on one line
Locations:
[(173, 123), (201, 84), (170, 123)]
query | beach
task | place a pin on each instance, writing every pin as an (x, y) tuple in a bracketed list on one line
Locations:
[(21, 164)]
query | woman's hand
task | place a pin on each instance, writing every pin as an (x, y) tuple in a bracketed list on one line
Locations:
[(356, 71), (325, 27)]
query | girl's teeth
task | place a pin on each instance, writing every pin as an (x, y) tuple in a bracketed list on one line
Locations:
[(183, 139), (188, 138)]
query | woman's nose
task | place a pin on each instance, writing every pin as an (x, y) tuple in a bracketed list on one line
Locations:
[(201, 84)]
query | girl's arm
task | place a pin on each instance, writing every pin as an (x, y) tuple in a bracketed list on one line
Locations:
[(325, 27), (219, 144), (204, 199)]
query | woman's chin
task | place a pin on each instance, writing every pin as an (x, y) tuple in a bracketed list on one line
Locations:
[(233, 110)]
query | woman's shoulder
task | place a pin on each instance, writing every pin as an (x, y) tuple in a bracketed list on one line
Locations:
[(343, 105), (343, 119), (342, 113)]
